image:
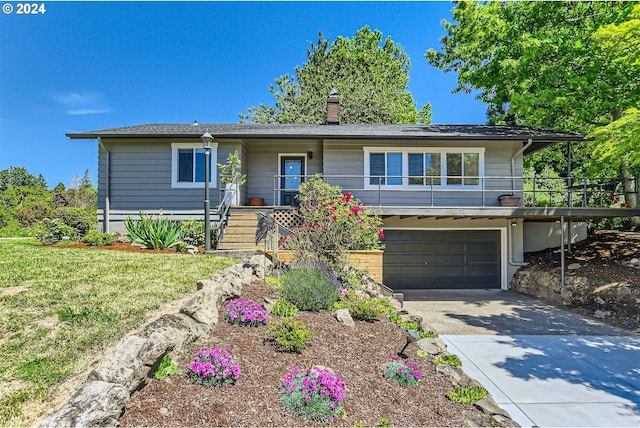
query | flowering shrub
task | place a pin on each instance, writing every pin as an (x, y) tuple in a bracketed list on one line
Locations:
[(310, 287), (314, 393), (245, 312), (332, 224), (213, 368), (404, 372), (361, 296)]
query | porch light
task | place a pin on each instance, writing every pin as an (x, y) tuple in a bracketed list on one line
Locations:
[(207, 138), (206, 144), (412, 336)]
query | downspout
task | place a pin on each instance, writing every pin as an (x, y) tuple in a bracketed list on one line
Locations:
[(510, 247), (513, 187), (513, 163), (107, 204)]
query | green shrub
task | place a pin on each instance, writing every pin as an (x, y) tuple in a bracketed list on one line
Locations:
[(80, 219), (98, 239), (31, 212), (409, 325), (167, 367), (193, 233), (153, 233), (466, 394), (427, 334), (284, 308), (309, 288), (51, 231), (290, 335), (395, 318), (448, 360)]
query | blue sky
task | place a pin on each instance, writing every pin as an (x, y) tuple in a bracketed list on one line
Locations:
[(84, 66)]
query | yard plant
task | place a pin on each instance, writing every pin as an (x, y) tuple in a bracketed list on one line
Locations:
[(154, 233), (290, 335), (62, 307)]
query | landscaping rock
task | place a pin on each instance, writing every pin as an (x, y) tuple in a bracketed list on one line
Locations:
[(344, 317), (203, 306), (131, 360), (192, 250), (179, 329), (489, 407), (242, 271), (601, 314), (268, 304), (261, 265), (96, 404), (574, 266), (411, 318), (503, 421), (432, 346), (456, 375)]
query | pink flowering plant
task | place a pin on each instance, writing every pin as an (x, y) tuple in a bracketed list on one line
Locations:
[(333, 223), (315, 393), (213, 368), (405, 372), (245, 312), (361, 295)]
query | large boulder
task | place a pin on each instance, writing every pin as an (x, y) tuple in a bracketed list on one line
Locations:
[(96, 404), (178, 329), (130, 361), (203, 306)]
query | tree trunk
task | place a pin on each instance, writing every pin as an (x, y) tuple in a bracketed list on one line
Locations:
[(629, 189)]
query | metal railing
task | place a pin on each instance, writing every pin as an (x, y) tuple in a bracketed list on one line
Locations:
[(222, 211), (478, 191)]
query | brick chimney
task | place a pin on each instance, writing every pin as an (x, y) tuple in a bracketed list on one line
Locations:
[(333, 108)]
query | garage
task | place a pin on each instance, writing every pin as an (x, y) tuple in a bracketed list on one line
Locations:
[(436, 259)]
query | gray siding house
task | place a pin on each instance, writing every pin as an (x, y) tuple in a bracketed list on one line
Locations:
[(437, 187)]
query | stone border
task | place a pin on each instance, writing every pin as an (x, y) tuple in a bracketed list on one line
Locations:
[(129, 365)]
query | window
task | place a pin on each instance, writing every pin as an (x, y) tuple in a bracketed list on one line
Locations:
[(424, 169), (188, 166), (386, 168), (410, 167)]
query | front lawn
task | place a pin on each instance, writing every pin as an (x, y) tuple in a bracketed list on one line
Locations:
[(61, 307)]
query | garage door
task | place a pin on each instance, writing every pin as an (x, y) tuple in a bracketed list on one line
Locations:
[(418, 259)]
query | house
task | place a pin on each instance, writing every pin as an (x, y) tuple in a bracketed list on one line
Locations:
[(437, 187)]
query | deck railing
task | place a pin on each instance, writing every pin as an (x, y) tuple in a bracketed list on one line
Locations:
[(476, 191)]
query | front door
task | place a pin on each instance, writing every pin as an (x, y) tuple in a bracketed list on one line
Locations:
[(291, 176)]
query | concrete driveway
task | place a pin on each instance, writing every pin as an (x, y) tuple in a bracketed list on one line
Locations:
[(545, 366)]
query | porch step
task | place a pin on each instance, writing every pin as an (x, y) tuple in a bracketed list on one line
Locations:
[(240, 232)]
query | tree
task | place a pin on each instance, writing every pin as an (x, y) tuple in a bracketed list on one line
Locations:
[(370, 76), (19, 176), (549, 65)]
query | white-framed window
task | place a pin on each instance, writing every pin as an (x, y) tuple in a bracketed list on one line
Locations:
[(188, 165), (412, 167)]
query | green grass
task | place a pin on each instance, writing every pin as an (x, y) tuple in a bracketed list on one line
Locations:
[(75, 304)]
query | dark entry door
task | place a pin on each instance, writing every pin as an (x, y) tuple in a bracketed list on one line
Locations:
[(292, 175), (416, 259)]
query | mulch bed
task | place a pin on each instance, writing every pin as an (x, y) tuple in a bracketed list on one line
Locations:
[(119, 246), (355, 354)]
